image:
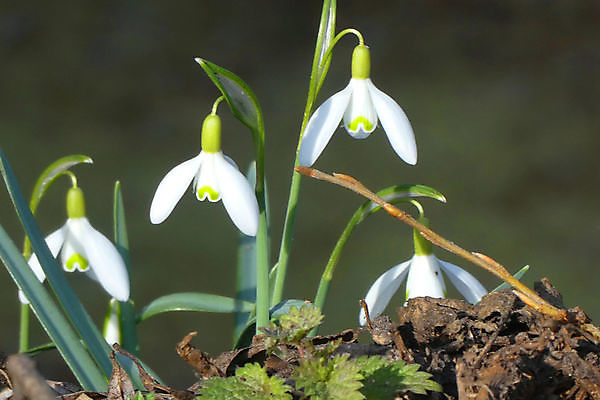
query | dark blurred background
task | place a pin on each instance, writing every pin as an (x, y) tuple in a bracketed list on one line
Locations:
[(503, 97)]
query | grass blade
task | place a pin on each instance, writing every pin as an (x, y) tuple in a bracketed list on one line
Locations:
[(127, 309), (192, 301)]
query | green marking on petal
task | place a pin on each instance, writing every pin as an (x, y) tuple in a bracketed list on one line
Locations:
[(77, 261), (367, 125), (212, 194), (407, 291)]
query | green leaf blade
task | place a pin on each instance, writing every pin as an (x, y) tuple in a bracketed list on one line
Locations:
[(518, 275), (191, 301), (53, 171), (127, 308), (242, 101)]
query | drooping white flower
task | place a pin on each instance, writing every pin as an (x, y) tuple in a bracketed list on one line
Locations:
[(83, 248), (360, 106), (425, 278), (215, 177)]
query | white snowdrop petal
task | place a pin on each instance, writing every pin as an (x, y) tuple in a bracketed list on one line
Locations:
[(395, 123), (321, 126), (73, 248), (206, 184), (383, 289), (466, 283), (425, 278), (171, 188), (238, 197), (360, 117), (106, 263), (54, 241)]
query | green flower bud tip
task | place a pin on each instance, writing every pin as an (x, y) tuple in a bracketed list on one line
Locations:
[(361, 62), (75, 203), (422, 245), (211, 134)]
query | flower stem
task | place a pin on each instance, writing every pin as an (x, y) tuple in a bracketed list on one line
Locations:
[(24, 329), (262, 236), (216, 104), (334, 257), (318, 72)]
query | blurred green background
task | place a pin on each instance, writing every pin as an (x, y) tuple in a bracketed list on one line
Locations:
[(504, 99)]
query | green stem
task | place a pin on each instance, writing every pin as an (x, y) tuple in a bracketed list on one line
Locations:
[(216, 104), (316, 76), (24, 329), (262, 238), (334, 257)]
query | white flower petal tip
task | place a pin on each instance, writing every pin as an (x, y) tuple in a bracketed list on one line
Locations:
[(171, 188), (54, 241), (106, 264), (395, 123), (467, 284), (382, 290), (238, 197)]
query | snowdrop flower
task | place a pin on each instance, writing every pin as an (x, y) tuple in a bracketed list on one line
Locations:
[(215, 177), (82, 248), (424, 279), (360, 105)]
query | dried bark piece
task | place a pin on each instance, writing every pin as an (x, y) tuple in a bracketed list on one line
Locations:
[(26, 380), (120, 386), (202, 362)]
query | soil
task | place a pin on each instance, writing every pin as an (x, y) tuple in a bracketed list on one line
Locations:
[(497, 349)]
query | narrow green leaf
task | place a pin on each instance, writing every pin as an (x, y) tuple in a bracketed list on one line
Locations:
[(518, 275), (129, 335), (67, 298), (50, 317), (394, 194), (34, 351), (52, 172), (193, 301), (244, 104), (325, 37), (49, 175)]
